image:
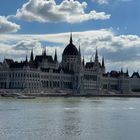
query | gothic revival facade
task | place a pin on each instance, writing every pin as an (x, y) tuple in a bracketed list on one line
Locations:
[(44, 74)]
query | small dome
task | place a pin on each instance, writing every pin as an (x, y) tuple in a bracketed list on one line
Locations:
[(70, 48)]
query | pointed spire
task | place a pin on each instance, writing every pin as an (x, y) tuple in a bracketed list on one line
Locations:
[(79, 50), (32, 55), (44, 52), (127, 73), (55, 56), (121, 71), (26, 59), (71, 38), (91, 59), (83, 61), (103, 63), (96, 56)]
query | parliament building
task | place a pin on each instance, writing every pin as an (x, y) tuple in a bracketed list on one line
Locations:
[(44, 74)]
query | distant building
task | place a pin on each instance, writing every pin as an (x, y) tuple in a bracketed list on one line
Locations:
[(44, 74)]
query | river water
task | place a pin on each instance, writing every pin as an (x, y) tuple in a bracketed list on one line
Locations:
[(70, 119)]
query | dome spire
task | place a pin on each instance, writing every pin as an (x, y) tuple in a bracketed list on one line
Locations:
[(71, 38)]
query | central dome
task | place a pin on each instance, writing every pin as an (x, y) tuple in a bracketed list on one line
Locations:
[(70, 49)]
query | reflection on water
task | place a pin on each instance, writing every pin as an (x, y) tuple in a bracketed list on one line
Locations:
[(70, 119)]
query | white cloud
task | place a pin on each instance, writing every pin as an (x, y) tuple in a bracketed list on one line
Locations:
[(109, 1), (7, 26), (71, 11), (26, 45), (102, 1), (118, 50), (19, 50)]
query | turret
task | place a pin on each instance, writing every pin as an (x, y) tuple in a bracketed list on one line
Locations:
[(44, 52), (91, 59), (127, 73), (79, 51), (121, 71), (83, 62), (55, 56), (96, 57), (32, 56), (103, 64), (26, 60)]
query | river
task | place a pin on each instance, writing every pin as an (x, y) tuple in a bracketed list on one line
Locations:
[(70, 118)]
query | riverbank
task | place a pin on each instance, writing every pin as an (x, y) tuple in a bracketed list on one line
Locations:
[(20, 95), (30, 95), (87, 95)]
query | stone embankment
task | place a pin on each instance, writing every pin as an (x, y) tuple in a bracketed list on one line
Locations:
[(5, 93)]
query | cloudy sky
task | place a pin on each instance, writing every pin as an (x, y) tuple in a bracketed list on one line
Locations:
[(113, 26)]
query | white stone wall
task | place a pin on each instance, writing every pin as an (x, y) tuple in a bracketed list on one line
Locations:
[(56, 81), (23, 79)]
